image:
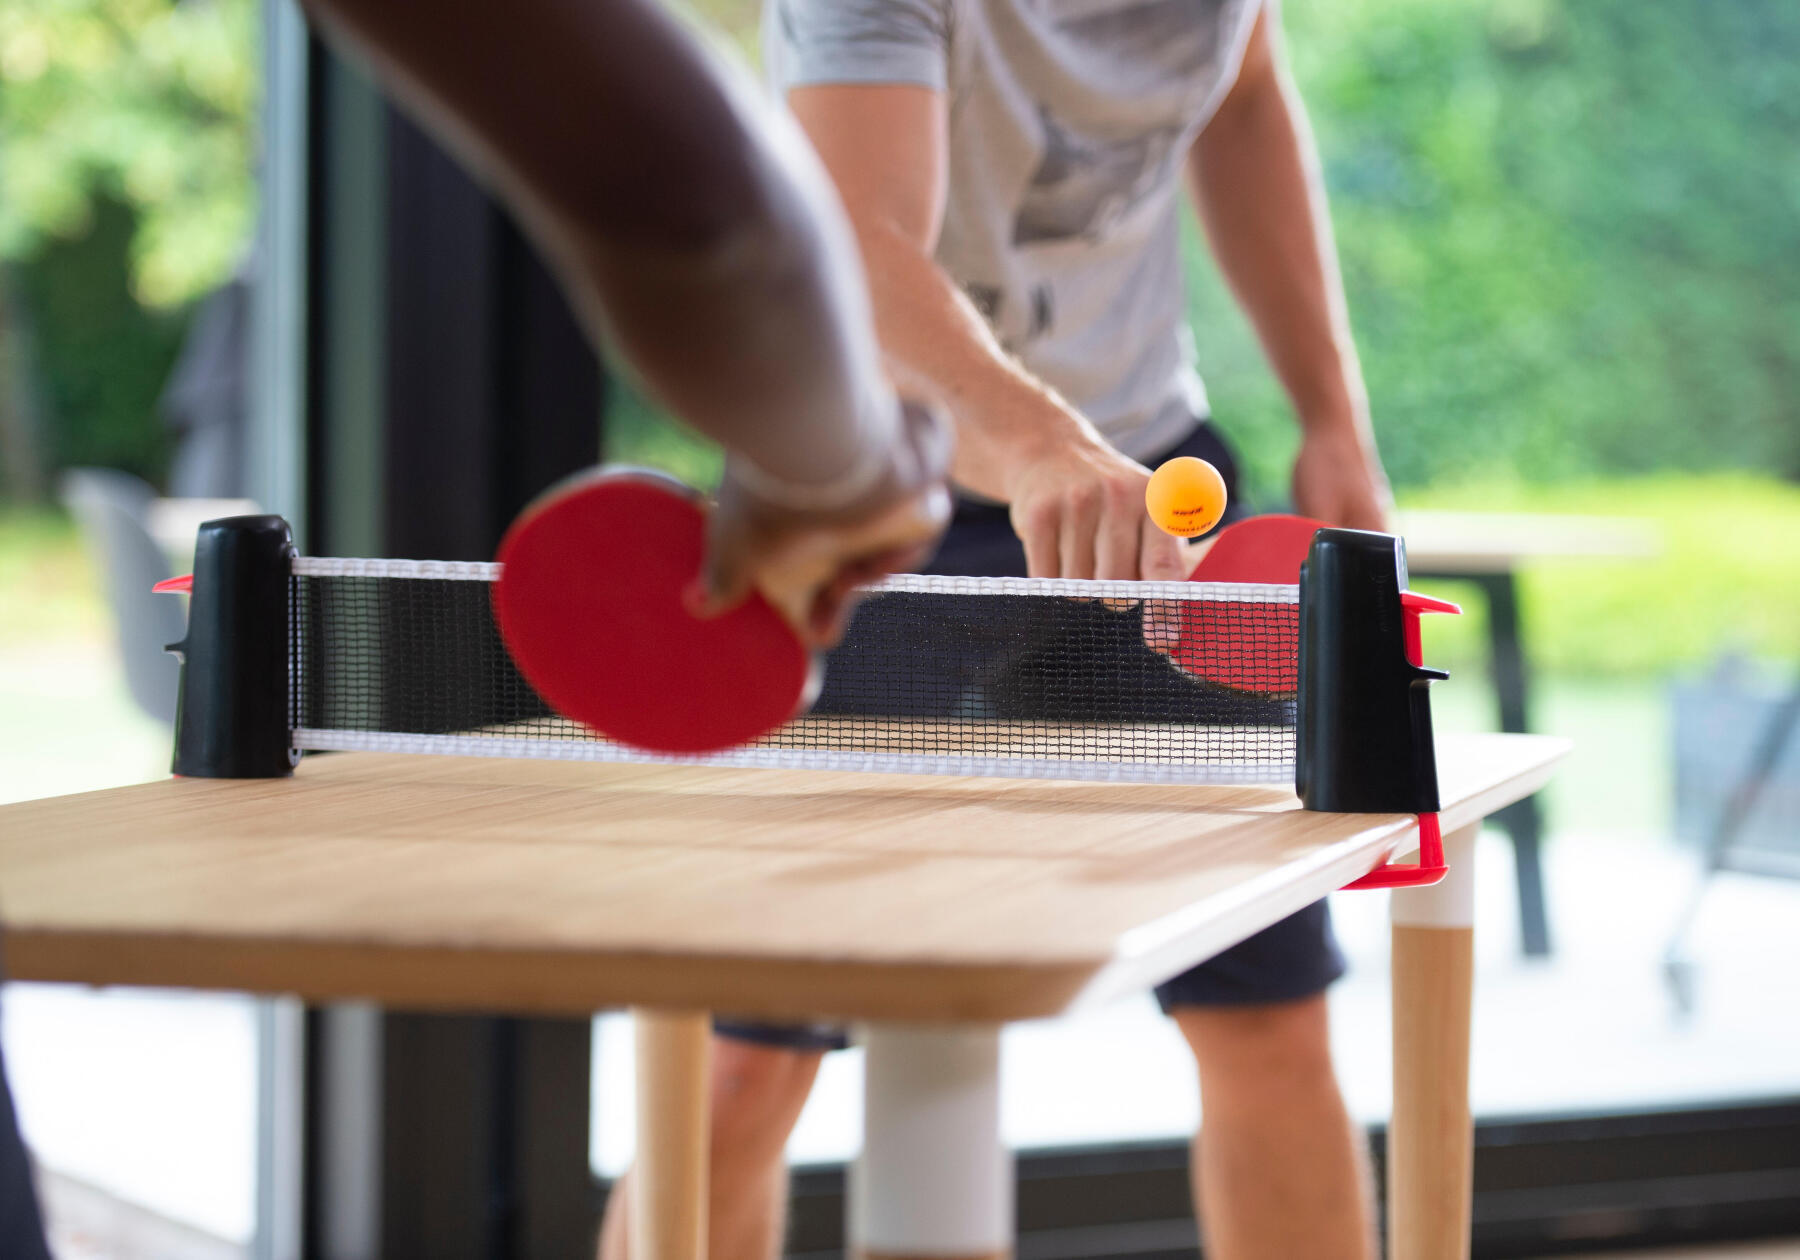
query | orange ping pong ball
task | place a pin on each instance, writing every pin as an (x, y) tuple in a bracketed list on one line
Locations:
[(1185, 497)]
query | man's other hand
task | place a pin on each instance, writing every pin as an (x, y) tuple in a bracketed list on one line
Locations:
[(1338, 480)]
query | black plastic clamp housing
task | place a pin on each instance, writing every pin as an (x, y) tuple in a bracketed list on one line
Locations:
[(231, 720), (1364, 739)]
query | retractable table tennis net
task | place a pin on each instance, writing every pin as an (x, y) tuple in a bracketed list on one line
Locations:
[(955, 675)]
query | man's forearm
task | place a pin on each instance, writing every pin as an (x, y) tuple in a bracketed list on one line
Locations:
[(886, 146), (1256, 182), (1076, 504), (933, 334), (690, 223)]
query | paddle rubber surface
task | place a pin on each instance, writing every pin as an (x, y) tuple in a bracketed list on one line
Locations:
[(590, 605), (1261, 549)]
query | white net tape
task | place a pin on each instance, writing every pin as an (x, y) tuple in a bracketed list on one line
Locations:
[(907, 583)]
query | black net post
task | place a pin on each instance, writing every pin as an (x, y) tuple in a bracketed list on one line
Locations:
[(231, 721), (1364, 743)]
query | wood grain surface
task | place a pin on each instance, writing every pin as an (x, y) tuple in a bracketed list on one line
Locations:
[(1432, 1136), (540, 886)]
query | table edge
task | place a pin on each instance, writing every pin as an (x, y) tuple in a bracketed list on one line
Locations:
[(451, 978)]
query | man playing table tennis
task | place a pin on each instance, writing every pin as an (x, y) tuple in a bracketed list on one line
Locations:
[(1012, 169)]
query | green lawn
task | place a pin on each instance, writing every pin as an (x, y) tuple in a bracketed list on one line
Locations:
[(48, 590), (67, 723), (1619, 779), (1727, 577)]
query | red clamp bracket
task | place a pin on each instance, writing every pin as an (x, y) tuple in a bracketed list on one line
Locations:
[(1430, 868), (183, 585), (1413, 606)]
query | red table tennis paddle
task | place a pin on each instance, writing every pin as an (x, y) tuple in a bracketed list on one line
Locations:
[(590, 602), (1262, 549), (1259, 549)]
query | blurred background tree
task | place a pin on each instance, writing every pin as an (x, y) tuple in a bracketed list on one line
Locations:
[(1570, 231), (126, 191)]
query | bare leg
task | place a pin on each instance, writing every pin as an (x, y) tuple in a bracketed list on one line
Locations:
[(757, 1095), (1279, 1169)]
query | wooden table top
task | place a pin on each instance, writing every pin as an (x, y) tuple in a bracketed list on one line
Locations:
[(561, 887)]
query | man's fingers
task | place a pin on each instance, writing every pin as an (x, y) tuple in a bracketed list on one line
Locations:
[(1038, 528), (724, 578), (1162, 624), (830, 613), (805, 560), (837, 598), (1080, 522), (1160, 557), (1119, 550)]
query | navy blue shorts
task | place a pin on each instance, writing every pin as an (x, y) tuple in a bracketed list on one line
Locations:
[(1295, 958)]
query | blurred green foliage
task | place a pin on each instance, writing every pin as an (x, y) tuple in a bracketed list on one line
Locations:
[(127, 190), (1570, 230), (102, 357), (638, 432), (1725, 578), (49, 592), (147, 103)]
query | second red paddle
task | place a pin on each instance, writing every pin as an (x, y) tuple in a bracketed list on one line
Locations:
[(1241, 644)]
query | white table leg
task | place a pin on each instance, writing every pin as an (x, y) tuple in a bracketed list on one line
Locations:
[(668, 1202), (1431, 1139), (933, 1179)]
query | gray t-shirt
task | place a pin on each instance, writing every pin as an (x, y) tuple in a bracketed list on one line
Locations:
[(1070, 122)]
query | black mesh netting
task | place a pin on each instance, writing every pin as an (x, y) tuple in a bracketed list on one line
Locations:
[(963, 677)]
